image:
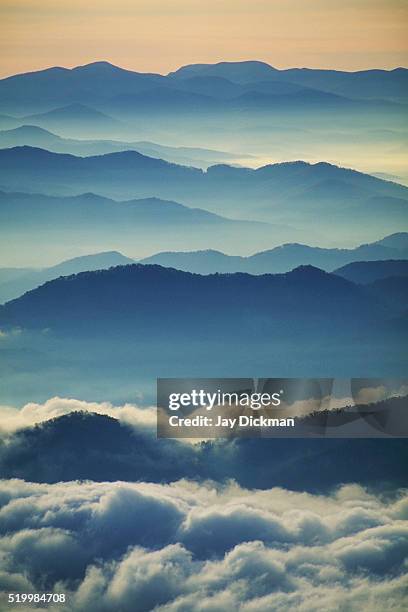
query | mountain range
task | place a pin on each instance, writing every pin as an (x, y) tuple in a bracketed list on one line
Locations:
[(78, 113), (288, 256), (71, 224), (139, 185), (364, 272), (82, 330), (111, 333), (90, 209), (250, 107), (364, 84), (260, 114), (16, 281), (290, 193), (148, 300), (38, 137), (203, 85)]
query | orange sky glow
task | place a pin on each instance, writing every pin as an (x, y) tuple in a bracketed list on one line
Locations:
[(161, 35)]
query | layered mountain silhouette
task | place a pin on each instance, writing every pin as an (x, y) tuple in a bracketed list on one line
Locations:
[(101, 81), (16, 281), (301, 100), (89, 209), (365, 272), (170, 100), (281, 114), (239, 72), (72, 224), (284, 193), (47, 170), (289, 256), (111, 333), (35, 136), (397, 240), (77, 119), (74, 113), (54, 87), (365, 84)]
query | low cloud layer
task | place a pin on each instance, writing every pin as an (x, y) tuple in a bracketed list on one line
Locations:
[(13, 419), (100, 442), (185, 546)]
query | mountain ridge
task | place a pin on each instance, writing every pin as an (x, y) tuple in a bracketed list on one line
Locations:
[(288, 195), (97, 447), (38, 137), (279, 259), (215, 170), (366, 272), (211, 261), (116, 451), (48, 88), (262, 303)]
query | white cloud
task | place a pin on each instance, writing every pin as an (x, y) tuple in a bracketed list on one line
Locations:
[(368, 395), (204, 547), (12, 419)]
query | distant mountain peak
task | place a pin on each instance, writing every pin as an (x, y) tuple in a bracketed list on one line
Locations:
[(245, 63), (76, 106), (27, 152), (396, 235), (240, 72), (89, 195), (97, 64), (27, 128), (308, 270), (74, 111), (397, 240), (108, 258), (101, 67)]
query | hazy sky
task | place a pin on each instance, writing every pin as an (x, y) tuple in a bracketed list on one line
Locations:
[(161, 35)]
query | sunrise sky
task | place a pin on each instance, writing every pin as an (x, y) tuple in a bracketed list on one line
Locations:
[(161, 35)]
